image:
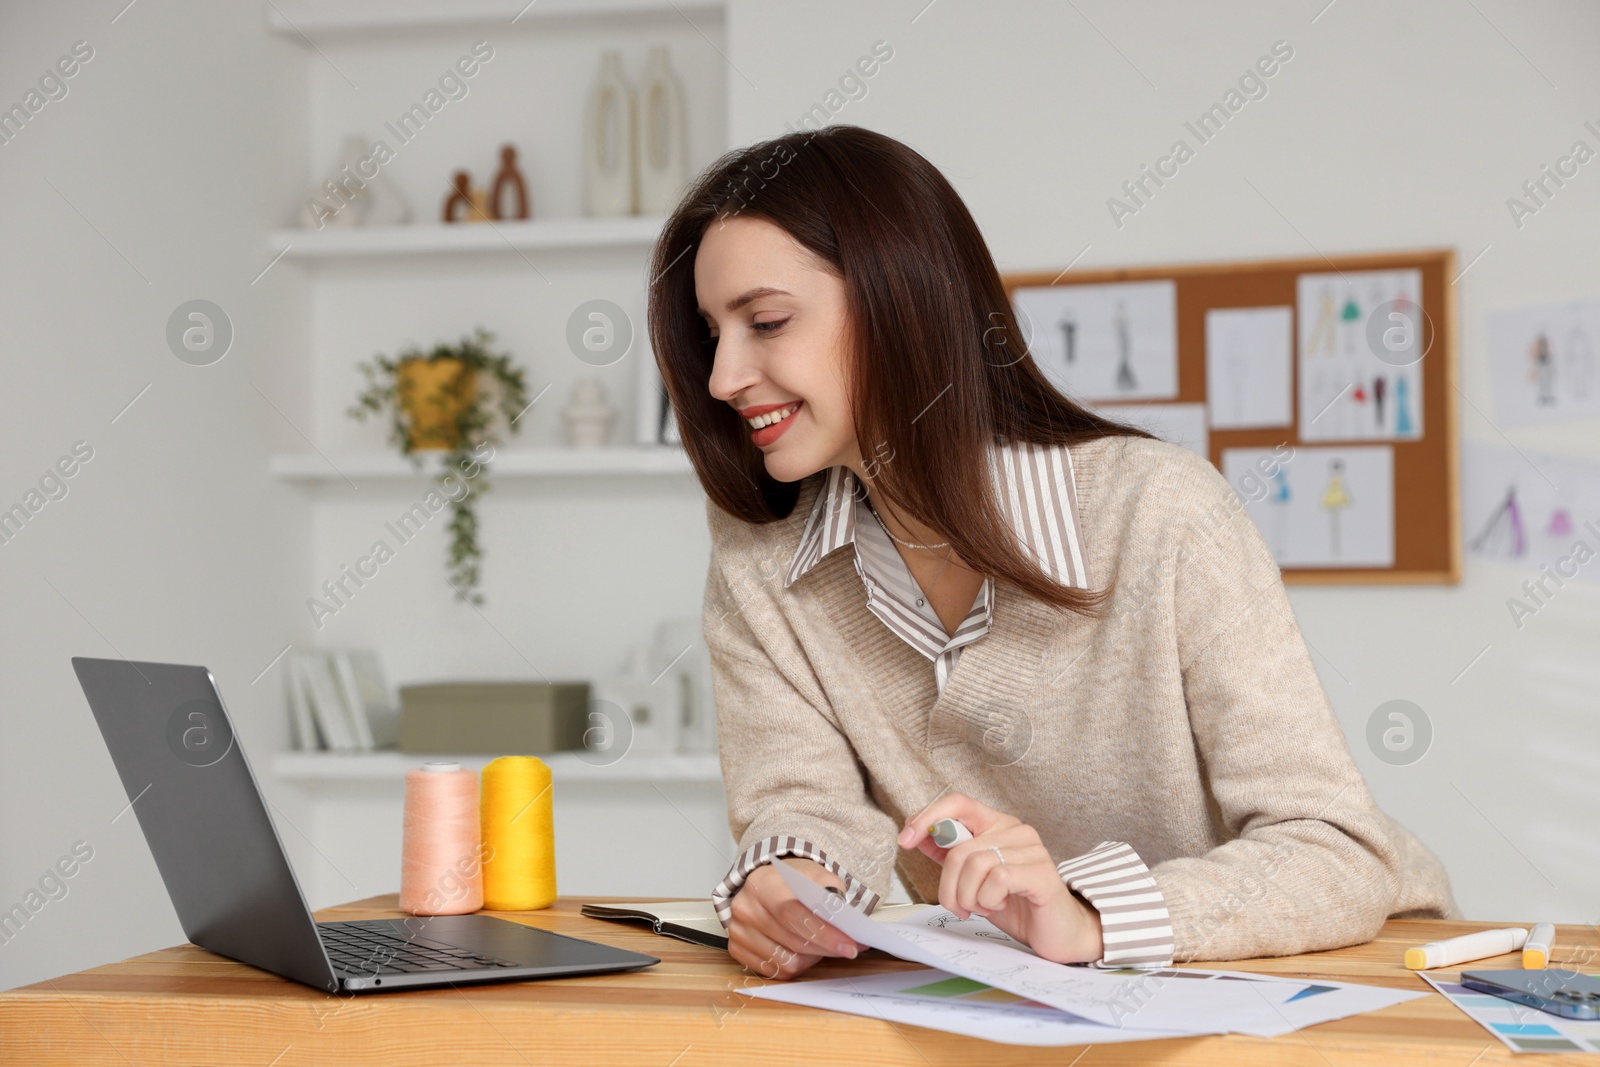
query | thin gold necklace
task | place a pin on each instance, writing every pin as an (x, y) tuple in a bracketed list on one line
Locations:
[(908, 544)]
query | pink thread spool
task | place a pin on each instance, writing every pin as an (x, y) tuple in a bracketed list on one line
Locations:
[(441, 863)]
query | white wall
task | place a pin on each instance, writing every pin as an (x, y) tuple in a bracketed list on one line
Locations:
[(185, 140), (176, 146), (1393, 127)]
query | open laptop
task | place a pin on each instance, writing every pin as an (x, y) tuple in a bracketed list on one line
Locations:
[(230, 882)]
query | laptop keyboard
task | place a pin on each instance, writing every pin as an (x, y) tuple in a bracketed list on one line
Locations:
[(364, 949)]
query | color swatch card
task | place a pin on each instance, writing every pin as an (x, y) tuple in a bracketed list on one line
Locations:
[(1520, 1028)]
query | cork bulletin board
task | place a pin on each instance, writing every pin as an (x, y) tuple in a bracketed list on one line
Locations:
[(1323, 388)]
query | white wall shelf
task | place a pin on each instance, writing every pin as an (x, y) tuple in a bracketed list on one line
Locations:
[(297, 18), (630, 232), (570, 518), (335, 467), (314, 768)]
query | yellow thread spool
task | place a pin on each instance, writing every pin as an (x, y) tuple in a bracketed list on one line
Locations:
[(519, 867)]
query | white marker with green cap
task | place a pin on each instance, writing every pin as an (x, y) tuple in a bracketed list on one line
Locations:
[(948, 833)]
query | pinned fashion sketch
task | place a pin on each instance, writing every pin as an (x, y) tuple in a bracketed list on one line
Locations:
[(1335, 498), (1278, 500), (1126, 382), (1363, 336), (1104, 342), (1542, 363), (1501, 533), (1249, 352), (1319, 507), (1532, 510), (1542, 371), (1069, 336)]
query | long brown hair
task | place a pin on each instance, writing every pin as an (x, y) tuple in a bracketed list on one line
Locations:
[(933, 331)]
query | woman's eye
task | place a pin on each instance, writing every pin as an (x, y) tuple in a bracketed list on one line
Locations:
[(767, 327)]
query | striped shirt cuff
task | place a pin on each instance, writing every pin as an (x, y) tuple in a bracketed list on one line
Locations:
[(856, 893), (1136, 928)]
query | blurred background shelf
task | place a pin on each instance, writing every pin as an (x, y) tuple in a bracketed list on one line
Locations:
[(631, 232), (311, 468), (296, 19), (313, 768)]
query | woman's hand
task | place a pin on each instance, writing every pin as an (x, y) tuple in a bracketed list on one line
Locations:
[(775, 935), (1024, 896)]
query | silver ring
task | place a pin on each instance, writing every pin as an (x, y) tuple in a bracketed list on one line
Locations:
[(997, 852)]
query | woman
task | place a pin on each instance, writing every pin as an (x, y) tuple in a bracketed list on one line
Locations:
[(939, 588)]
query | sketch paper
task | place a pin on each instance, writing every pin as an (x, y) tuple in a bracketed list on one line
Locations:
[(1181, 424), (1519, 1028), (1112, 998), (1249, 352), (934, 917), (1104, 342), (1320, 507), (1543, 362), (1531, 510), (1347, 392), (939, 1000)]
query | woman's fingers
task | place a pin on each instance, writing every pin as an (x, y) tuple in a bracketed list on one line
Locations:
[(974, 876), (977, 817), (766, 957), (767, 917), (763, 944), (803, 931)]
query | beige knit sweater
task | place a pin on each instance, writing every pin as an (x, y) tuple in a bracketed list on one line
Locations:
[(1187, 720)]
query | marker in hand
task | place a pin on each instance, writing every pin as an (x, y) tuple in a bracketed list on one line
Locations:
[(948, 833)]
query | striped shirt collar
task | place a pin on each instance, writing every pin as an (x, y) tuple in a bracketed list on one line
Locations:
[(1036, 491)]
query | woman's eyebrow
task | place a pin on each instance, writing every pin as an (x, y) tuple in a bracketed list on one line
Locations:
[(744, 298), (759, 291)]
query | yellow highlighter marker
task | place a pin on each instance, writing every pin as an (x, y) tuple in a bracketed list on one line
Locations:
[(1466, 948), (1536, 951)]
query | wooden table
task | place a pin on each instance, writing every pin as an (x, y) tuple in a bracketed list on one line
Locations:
[(186, 1006)]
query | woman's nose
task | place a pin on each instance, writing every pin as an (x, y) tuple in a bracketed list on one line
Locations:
[(732, 371)]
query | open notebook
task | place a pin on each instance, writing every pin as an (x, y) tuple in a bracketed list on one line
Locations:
[(696, 920)]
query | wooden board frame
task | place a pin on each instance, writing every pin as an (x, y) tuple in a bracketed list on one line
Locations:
[(1427, 505)]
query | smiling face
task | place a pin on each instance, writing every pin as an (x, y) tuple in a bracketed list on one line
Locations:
[(781, 326)]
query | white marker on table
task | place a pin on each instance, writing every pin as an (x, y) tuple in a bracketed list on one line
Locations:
[(948, 833), (1466, 948), (1536, 952)]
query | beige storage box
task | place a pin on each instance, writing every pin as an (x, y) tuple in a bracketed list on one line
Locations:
[(493, 718)]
